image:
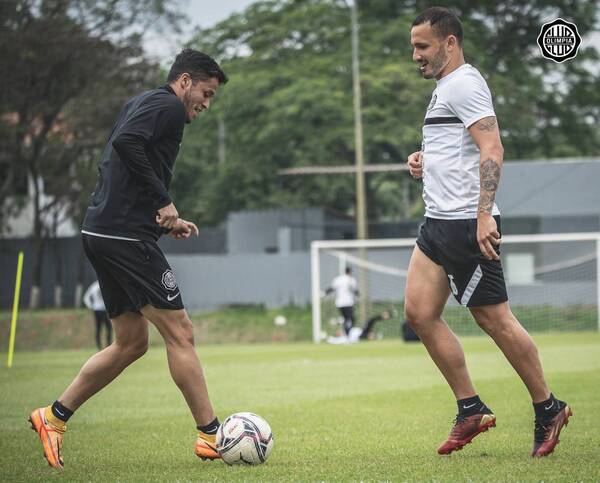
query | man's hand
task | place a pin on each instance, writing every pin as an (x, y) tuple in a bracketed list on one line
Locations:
[(415, 165), (183, 229), (487, 235), (167, 216)]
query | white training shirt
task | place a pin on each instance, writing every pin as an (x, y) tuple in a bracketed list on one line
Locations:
[(345, 287), (93, 298), (450, 155)]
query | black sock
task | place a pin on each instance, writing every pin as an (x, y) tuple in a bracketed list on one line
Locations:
[(547, 408), (471, 405), (61, 412), (210, 428)]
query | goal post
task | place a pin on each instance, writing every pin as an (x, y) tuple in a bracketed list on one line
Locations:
[(552, 281)]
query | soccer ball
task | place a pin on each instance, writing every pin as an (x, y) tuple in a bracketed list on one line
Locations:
[(280, 320), (244, 438)]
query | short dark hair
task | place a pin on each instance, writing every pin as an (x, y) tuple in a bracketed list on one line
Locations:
[(348, 270), (198, 65), (443, 22)]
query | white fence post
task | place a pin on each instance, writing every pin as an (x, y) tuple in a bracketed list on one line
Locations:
[(598, 279), (315, 277)]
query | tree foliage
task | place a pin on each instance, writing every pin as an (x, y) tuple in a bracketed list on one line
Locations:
[(289, 102), (67, 67)]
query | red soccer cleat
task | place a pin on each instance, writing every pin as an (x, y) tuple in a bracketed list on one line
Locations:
[(547, 431), (465, 429)]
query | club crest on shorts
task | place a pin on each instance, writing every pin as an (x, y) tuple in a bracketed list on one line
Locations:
[(168, 280), (559, 40)]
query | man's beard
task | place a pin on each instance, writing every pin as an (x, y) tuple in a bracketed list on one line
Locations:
[(437, 63), (187, 102)]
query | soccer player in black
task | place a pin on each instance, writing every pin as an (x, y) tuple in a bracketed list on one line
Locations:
[(129, 210)]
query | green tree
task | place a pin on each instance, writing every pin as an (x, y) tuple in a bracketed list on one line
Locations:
[(289, 102), (68, 65)]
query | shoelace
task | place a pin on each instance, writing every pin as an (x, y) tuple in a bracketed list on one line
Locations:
[(541, 430), (459, 419), (455, 424), (55, 428), (543, 425)]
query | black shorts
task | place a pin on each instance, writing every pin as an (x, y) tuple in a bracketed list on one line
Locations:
[(473, 279), (132, 274)]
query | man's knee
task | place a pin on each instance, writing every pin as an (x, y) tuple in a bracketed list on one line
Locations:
[(131, 335), (177, 328), (139, 348), (419, 317), (495, 319), (133, 349), (483, 319)]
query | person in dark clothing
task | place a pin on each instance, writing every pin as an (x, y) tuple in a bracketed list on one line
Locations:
[(367, 328), (93, 301), (129, 210), (357, 334)]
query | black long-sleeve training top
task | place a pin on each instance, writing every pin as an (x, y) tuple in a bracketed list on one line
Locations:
[(135, 170)]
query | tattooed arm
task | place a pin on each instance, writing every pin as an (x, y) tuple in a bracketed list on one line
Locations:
[(486, 135)]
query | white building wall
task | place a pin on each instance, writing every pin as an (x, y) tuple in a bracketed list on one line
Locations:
[(21, 224)]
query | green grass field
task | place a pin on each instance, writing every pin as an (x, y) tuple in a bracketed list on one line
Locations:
[(374, 411), (58, 329)]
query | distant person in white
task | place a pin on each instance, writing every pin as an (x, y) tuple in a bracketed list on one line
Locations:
[(458, 245), (93, 300), (345, 288)]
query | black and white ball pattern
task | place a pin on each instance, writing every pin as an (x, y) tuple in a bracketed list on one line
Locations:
[(244, 438)]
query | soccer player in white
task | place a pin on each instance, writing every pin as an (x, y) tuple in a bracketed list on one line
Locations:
[(345, 288), (458, 246)]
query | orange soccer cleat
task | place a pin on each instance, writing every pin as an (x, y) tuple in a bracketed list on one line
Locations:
[(206, 447), (465, 429), (50, 436)]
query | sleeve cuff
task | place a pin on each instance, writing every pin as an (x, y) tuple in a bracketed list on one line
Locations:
[(472, 120), (162, 201)]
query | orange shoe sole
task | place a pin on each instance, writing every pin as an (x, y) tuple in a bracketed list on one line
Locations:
[(207, 453)]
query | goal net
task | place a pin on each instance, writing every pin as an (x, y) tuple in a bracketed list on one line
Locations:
[(552, 283)]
